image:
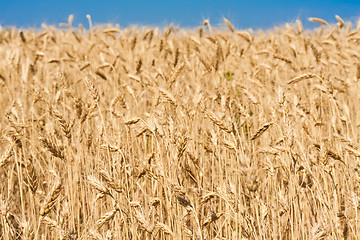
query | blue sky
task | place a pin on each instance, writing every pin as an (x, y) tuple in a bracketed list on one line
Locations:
[(186, 13)]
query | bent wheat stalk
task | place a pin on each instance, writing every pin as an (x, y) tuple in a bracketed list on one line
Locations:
[(261, 130), (50, 200)]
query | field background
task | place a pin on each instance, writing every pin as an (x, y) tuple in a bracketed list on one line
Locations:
[(171, 133)]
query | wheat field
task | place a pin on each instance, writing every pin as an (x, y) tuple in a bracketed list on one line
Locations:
[(206, 133)]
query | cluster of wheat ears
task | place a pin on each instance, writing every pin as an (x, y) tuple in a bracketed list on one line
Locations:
[(211, 133)]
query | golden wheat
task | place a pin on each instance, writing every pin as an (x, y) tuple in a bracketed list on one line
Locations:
[(207, 133)]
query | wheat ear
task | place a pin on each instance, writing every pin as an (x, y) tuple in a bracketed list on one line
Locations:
[(51, 198), (261, 130), (318, 20)]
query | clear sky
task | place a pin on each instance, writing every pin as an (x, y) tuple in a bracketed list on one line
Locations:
[(184, 13)]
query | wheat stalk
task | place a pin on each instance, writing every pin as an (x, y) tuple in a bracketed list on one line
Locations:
[(65, 127), (167, 96), (352, 151), (98, 185), (119, 98), (52, 147), (317, 54), (318, 20), (302, 77), (182, 142), (132, 121), (110, 181), (51, 223), (204, 199), (176, 59), (230, 26), (245, 35), (6, 156), (101, 74), (212, 218), (106, 218), (261, 130), (299, 26), (165, 228), (282, 58), (50, 200), (89, 20), (206, 65), (217, 121), (341, 22), (176, 74), (32, 176), (138, 66), (22, 36), (143, 222), (94, 92)]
